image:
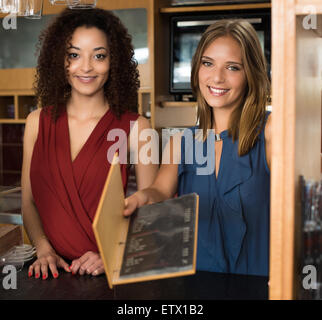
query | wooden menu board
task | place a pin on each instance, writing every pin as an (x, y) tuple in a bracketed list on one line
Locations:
[(158, 241)]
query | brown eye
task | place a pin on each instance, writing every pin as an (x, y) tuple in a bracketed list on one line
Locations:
[(72, 55), (100, 56)]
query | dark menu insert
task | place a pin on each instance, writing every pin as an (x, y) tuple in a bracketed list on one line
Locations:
[(161, 238)]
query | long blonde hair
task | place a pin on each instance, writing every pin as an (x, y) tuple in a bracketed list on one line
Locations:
[(247, 120)]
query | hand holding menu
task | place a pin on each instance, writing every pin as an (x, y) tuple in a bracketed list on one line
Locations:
[(158, 241)]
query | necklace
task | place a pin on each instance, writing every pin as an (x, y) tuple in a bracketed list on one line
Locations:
[(217, 137)]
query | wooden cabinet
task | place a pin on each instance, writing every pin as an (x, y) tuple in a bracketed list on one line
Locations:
[(14, 107), (11, 145), (296, 128)]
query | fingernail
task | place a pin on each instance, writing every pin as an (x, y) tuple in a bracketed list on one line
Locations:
[(73, 273), (29, 274), (44, 276), (37, 275), (70, 267), (55, 275)]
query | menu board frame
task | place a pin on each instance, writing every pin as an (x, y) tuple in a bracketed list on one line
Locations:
[(111, 231)]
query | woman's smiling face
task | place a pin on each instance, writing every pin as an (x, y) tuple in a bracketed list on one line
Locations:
[(88, 60), (222, 78)]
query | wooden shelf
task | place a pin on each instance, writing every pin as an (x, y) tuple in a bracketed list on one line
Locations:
[(180, 104), (3, 120), (145, 90), (23, 102), (216, 8), (12, 171), (11, 144)]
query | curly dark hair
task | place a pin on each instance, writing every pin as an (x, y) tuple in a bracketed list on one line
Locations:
[(51, 84)]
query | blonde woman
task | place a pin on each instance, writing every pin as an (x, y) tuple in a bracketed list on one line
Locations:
[(230, 82)]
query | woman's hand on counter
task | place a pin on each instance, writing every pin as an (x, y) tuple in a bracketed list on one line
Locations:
[(47, 258), (88, 263)]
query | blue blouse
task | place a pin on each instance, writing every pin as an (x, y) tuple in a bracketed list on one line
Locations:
[(233, 231)]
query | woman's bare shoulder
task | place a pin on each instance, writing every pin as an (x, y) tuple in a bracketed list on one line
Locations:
[(143, 122), (34, 115), (32, 124)]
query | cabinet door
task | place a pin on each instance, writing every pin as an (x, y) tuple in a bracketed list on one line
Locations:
[(11, 146)]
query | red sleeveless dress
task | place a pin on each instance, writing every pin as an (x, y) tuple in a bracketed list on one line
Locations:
[(66, 192)]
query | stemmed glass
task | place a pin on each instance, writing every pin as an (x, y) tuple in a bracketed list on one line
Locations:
[(34, 9), (28, 8), (17, 256), (81, 4), (8, 6), (53, 2)]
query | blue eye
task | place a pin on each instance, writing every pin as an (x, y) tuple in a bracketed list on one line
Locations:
[(206, 63), (233, 68)]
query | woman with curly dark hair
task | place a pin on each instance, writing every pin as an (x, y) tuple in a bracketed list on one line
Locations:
[(86, 84)]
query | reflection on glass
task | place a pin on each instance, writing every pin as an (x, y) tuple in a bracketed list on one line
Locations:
[(18, 46), (185, 47), (135, 20)]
